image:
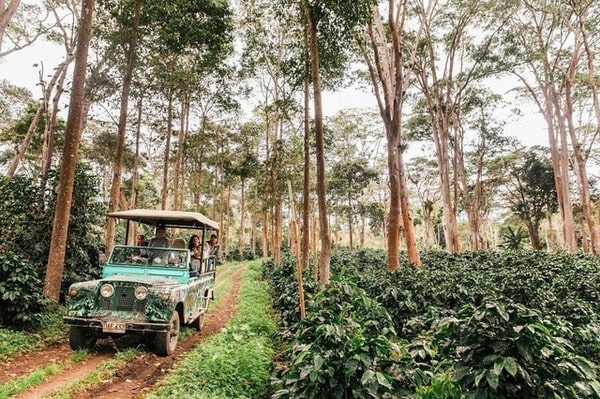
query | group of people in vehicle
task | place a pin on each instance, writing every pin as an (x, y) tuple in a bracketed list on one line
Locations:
[(197, 250)]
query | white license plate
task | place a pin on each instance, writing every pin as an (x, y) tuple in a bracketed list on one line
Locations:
[(113, 327)]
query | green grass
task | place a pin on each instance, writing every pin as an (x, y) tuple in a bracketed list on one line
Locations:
[(34, 378), (37, 377), (14, 342), (104, 371), (235, 363)]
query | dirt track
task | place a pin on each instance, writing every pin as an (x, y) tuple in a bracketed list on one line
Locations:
[(136, 378)]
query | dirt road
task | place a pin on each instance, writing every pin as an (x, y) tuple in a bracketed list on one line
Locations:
[(137, 377)]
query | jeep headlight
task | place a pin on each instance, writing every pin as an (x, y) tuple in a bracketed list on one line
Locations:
[(107, 290), (140, 293)]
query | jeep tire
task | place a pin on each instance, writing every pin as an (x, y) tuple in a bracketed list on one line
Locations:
[(199, 322), (82, 338), (166, 342)]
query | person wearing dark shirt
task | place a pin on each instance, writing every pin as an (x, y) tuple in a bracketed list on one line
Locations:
[(161, 239)]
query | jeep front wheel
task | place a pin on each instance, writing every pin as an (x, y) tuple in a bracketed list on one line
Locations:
[(166, 342), (81, 338)]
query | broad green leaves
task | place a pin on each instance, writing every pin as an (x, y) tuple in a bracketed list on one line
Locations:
[(475, 325)]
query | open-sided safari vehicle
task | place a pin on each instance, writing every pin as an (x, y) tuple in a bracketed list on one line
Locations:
[(145, 290)]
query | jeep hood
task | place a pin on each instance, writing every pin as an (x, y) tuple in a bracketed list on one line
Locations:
[(154, 281)]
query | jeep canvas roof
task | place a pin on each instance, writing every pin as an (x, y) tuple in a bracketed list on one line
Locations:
[(156, 217)]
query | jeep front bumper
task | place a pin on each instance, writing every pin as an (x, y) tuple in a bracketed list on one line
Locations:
[(115, 326)]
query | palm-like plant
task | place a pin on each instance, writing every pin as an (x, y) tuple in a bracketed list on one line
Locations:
[(513, 239)]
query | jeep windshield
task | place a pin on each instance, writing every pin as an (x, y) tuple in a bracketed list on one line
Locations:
[(149, 256)]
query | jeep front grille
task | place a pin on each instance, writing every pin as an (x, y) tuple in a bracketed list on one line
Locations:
[(124, 299)]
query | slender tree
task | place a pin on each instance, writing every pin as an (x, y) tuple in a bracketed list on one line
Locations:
[(325, 255), (389, 77), (478, 141), (576, 65), (56, 256), (7, 10), (130, 49), (539, 45)]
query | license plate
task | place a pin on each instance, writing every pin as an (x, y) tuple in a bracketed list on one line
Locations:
[(113, 327)]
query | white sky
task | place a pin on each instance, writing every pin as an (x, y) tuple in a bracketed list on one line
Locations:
[(19, 68), (530, 128)]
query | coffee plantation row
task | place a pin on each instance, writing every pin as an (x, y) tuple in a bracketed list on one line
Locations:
[(472, 325)]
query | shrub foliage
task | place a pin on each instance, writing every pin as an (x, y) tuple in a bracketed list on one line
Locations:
[(472, 325), (27, 209)]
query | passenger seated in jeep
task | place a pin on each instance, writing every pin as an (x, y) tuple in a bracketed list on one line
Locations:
[(194, 247), (141, 242), (213, 245), (161, 239)]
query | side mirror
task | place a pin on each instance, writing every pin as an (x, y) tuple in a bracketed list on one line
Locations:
[(101, 258)]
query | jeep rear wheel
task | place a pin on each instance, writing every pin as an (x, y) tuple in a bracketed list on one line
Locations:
[(81, 338), (166, 342), (199, 322)]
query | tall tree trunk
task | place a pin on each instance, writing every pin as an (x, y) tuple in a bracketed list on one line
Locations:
[(579, 158), (325, 257), (560, 163), (254, 223), (545, 70), (49, 138), (165, 181), (386, 70), (115, 188), (6, 13), (277, 233), (296, 250), (60, 227), (293, 227), (550, 233), (179, 164), (414, 258), (471, 196), (265, 236), (350, 219), (242, 220), (315, 231), (591, 80), (227, 211), (306, 183), (362, 232), (132, 234), (393, 220)]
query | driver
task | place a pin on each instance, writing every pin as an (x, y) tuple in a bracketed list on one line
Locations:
[(161, 239)]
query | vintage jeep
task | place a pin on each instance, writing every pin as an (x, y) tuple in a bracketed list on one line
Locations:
[(145, 290)]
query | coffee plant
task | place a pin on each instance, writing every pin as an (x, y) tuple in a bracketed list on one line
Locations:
[(27, 209), (21, 296), (284, 285), (489, 324), (342, 349)]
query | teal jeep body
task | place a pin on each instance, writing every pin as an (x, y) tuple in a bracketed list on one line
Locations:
[(144, 290)]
